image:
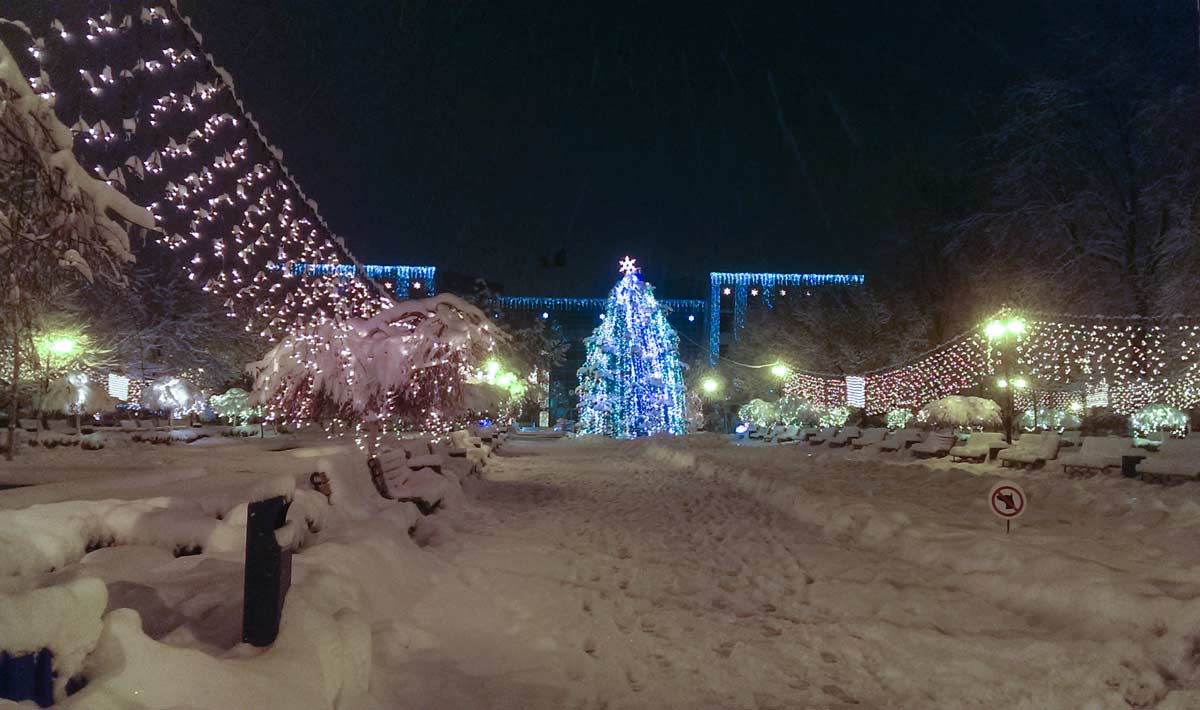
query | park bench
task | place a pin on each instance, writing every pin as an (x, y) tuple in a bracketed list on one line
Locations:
[(1031, 450), (1177, 460), (823, 435), (977, 446), (394, 480), (870, 436), (1097, 453), (845, 436), (935, 444)]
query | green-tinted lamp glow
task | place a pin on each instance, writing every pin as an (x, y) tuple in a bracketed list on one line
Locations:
[(492, 367), (62, 346), (1020, 383), (994, 329), (779, 370), (1016, 326), (1002, 383), (710, 385)]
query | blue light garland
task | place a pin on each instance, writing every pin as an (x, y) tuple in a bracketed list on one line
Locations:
[(552, 303), (740, 284), (402, 277)]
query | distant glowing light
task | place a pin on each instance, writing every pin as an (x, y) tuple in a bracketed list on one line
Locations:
[(710, 385), (545, 315), (780, 370), (628, 266), (753, 292), (742, 428), (1020, 383), (1002, 383), (691, 319), (416, 285)]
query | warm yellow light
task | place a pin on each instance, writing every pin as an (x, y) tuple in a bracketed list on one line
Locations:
[(994, 329), (710, 385), (1016, 326), (1020, 383), (779, 370), (1002, 383)]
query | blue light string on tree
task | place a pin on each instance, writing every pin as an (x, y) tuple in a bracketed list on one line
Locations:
[(631, 382)]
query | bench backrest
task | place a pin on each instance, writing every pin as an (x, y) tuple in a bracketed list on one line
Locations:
[(1181, 448), (415, 447), (1029, 441), (1048, 450), (983, 438), (850, 431), (872, 435)]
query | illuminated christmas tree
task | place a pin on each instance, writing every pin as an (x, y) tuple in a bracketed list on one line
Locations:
[(631, 383)]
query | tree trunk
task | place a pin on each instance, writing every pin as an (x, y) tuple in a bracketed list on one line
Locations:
[(78, 425), (13, 409)]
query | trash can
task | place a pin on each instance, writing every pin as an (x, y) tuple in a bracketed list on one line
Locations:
[(1129, 464)]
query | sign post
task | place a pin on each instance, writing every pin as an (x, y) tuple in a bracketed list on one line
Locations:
[(1007, 501)]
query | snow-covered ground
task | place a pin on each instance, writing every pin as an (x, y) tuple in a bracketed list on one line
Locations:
[(663, 573)]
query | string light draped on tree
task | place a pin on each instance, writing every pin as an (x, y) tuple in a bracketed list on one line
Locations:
[(631, 382)]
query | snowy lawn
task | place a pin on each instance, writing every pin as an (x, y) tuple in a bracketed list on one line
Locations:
[(666, 573)]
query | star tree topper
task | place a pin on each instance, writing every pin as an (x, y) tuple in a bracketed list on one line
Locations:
[(629, 266)]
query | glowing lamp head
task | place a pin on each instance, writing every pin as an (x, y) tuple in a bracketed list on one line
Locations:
[(62, 346), (1020, 383), (780, 370), (1002, 383), (995, 329), (710, 385), (1076, 407), (1015, 326), (492, 367)]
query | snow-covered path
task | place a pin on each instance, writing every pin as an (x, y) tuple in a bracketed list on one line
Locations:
[(647, 575)]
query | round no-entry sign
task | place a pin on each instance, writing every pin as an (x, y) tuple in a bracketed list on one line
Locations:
[(1007, 500)]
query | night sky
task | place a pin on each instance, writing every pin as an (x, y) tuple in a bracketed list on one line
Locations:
[(537, 142)]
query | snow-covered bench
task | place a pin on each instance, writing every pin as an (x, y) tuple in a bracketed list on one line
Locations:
[(786, 436), (900, 439), (1031, 450), (823, 435), (420, 455), (936, 444), (1097, 453), (870, 436), (396, 481), (1177, 460), (1070, 438), (977, 446), (845, 436)]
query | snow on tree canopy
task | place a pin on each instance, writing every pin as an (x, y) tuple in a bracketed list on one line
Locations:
[(84, 234), (407, 362), (76, 393), (631, 382), (960, 411)]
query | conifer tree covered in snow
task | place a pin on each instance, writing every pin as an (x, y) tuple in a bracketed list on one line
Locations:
[(402, 367), (58, 225), (631, 382)]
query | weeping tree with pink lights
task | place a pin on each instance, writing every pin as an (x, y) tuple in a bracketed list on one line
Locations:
[(401, 369)]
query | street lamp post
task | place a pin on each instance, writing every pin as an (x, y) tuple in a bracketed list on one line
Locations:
[(999, 332)]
